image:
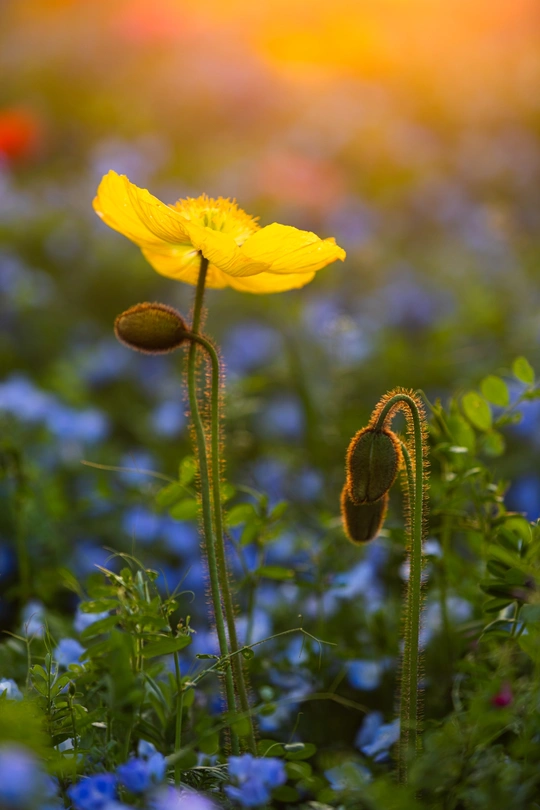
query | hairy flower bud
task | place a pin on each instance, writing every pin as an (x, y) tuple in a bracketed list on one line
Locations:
[(373, 460), (151, 328), (362, 522)]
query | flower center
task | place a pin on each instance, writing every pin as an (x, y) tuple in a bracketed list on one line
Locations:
[(220, 215)]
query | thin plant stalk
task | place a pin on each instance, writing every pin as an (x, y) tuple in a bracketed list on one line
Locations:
[(206, 500), (178, 724), (220, 542), (409, 741)]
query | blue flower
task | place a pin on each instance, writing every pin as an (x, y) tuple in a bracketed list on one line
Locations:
[(136, 462), (142, 524), (33, 619), (168, 418), (146, 749), (88, 426), (248, 346), (93, 792), (9, 688), (255, 777), (68, 651), (348, 776), (365, 675), (283, 418), (21, 780), (138, 775), (83, 620), (170, 798), (375, 738)]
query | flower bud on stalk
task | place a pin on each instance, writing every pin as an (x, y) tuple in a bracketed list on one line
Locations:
[(151, 328), (373, 459), (362, 522)]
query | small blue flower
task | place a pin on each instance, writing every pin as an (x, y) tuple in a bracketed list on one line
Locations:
[(168, 419), (10, 689), (138, 775), (348, 776), (142, 524), (21, 780), (94, 792), (283, 418), (365, 675), (83, 620), (146, 749), (375, 738), (33, 619), (170, 798), (68, 652), (255, 778)]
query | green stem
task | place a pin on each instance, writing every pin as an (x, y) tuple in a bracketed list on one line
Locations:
[(179, 710), (206, 499), (446, 536), (220, 542), (409, 740)]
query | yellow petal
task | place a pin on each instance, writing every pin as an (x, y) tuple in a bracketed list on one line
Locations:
[(135, 213), (221, 250), (264, 283), (183, 264), (288, 250)]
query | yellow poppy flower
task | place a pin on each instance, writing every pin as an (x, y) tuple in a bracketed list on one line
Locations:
[(240, 253)]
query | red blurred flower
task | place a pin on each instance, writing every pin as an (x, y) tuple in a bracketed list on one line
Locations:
[(504, 697), (153, 24), (289, 177), (19, 133)]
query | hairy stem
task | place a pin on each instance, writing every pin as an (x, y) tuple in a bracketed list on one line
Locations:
[(220, 542), (409, 740), (206, 499)]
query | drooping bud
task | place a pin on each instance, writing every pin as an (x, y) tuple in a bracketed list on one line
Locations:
[(362, 522), (373, 460), (151, 328)]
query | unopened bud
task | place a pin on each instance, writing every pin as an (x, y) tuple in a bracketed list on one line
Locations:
[(362, 522), (373, 460), (151, 328)]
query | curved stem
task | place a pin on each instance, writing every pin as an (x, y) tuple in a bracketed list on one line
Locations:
[(409, 704), (220, 543), (206, 499)]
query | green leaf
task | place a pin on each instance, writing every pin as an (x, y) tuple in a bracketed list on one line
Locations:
[(241, 513), (477, 410), (270, 748), (187, 759), (209, 744), (493, 444), (188, 468), (165, 646), (495, 391), (98, 605), (99, 627), (522, 369), (274, 572), (285, 793), (188, 509), (462, 433), (250, 533), (228, 491), (169, 495), (279, 510), (495, 605)]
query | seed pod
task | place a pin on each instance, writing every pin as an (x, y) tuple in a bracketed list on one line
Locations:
[(362, 522), (151, 328), (373, 460)]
